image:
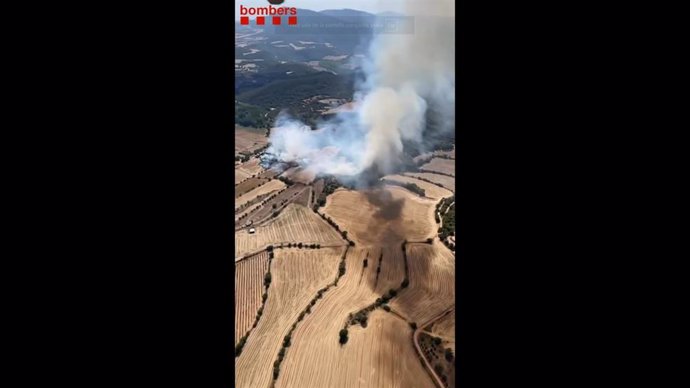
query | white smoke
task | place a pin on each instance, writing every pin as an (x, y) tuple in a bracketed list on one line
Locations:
[(405, 72)]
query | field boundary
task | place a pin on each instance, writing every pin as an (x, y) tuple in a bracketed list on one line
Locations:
[(259, 313), (415, 339), (307, 310)]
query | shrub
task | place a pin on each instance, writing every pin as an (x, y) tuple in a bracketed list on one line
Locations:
[(299, 245), (449, 355), (405, 283), (343, 336), (240, 346), (413, 325), (264, 297), (437, 341), (439, 369), (352, 243), (366, 262), (286, 341), (392, 293), (267, 279), (387, 308), (429, 240)]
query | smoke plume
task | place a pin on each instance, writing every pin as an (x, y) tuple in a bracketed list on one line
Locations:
[(406, 74)]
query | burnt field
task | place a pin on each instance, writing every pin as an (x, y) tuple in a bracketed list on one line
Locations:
[(277, 203)]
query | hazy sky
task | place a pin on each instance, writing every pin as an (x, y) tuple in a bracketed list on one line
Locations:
[(372, 6)]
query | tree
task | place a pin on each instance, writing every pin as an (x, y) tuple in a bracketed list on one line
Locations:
[(343, 336), (299, 245), (405, 283), (267, 279), (449, 355)]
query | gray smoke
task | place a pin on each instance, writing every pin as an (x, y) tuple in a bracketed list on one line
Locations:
[(405, 74)]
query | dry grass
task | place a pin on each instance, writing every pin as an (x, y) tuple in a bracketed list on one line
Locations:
[(249, 278), (295, 223), (249, 139), (430, 190), (446, 181), (382, 355), (432, 282), (445, 329), (296, 276), (270, 186), (382, 217), (444, 166), (245, 170)]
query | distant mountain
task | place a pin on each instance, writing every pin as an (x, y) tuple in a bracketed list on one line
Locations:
[(347, 13)]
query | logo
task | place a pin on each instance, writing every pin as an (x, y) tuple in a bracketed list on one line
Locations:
[(276, 14)]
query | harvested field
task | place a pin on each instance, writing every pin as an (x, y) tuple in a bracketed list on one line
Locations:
[(303, 197), (443, 180), (318, 189), (381, 356), (248, 185), (249, 278), (430, 190), (297, 274), (444, 166), (240, 175), (382, 216), (249, 139), (246, 170), (445, 329), (268, 174), (295, 223), (432, 282), (435, 353), (268, 187), (281, 200)]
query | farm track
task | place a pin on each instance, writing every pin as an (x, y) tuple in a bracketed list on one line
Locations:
[(430, 370)]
